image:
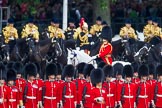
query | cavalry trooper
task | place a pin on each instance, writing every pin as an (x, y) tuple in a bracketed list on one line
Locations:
[(128, 94), (12, 90), (135, 78), (98, 91), (106, 48), (110, 86), (127, 31), (10, 34), (68, 97), (30, 30), (81, 37), (30, 88), (144, 89), (50, 89), (157, 103), (87, 99), (148, 30), (79, 81), (54, 30), (69, 32), (96, 29), (3, 87)]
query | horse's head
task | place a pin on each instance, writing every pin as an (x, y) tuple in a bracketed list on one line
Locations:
[(30, 44), (45, 34), (56, 46), (126, 45)]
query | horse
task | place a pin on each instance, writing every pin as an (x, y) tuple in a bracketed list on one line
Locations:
[(76, 56)]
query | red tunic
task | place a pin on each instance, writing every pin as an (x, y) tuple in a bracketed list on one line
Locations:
[(51, 94), (69, 94), (60, 82), (128, 95), (3, 96), (144, 95), (12, 97), (105, 53), (111, 93), (158, 95), (136, 80), (88, 95), (31, 95), (152, 84), (99, 94), (39, 82)]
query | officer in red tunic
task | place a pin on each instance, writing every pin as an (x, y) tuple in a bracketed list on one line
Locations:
[(20, 81), (12, 90), (79, 83), (109, 86), (50, 89), (106, 47), (135, 78), (30, 88), (143, 91), (152, 82), (3, 87), (128, 94), (118, 70), (87, 89), (68, 96), (157, 103)]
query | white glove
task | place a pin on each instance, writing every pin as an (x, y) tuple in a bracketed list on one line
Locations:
[(94, 57), (78, 48), (92, 43), (11, 38), (81, 105)]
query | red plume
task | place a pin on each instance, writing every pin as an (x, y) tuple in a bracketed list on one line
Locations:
[(81, 22)]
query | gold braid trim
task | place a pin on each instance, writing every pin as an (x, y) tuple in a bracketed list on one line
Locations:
[(83, 39)]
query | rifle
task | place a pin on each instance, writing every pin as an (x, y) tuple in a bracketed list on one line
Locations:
[(43, 93), (155, 92), (84, 93), (122, 93), (138, 92)]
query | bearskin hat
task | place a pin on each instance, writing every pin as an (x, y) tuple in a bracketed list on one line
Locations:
[(2, 71), (99, 18), (135, 66), (69, 71), (70, 43), (128, 71), (30, 70), (51, 69), (18, 67), (106, 33), (159, 70), (11, 75), (97, 76), (101, 64), (38, 67), (87, 69), (59, 68), (80, 67), (151, 69), (143, 70), (108, 71), (118, 69)]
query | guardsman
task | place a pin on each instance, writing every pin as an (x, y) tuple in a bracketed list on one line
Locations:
[(143, 90), (30, 88), (51, 88), (69, 32), (118, 70), (30, 30), (82, 36), (128, 94), (109, 86), (54, 30), (157, 103), (79, 83), (68, 88), (3, 87), (87, 99), (152, 82), (156, 30), (12, 90), (148, 30), (20, 81), (10, 34), (135, 78), (96, 29), (127, 31), (98, 91), (106, 47)]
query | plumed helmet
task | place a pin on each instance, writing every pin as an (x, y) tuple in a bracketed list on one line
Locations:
[(80, 67), (128, 71), (108, 71), (68, 71), (87, 69), (143, 70), (11, 75), (51, 69)]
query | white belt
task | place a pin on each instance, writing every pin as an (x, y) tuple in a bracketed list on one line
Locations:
[(142, 96), (46, 97), (158, 95), (110, 95), (87, 96), (12, 100), (69, 96), (125, 96), (30, 97)]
